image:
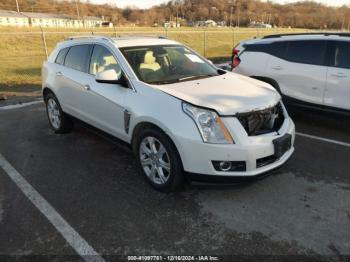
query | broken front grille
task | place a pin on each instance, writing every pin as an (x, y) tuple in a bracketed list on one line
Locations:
[(262, 121)]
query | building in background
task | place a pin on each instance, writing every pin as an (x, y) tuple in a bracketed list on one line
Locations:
[(49, 20), (172, 24), (254, 24), (91, 21), (12, 18)]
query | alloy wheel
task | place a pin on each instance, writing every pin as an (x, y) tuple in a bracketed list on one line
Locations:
[(53, 113), (155, 160)]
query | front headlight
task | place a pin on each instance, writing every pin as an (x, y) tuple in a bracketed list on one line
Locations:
[(210, 126)]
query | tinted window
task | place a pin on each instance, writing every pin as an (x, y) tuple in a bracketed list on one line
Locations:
[(307, 52), (342, 55), (102, 60), (61, 55), (276, 49), (78, 57)]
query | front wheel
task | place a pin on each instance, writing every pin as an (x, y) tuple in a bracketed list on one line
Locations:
[(159, 160)]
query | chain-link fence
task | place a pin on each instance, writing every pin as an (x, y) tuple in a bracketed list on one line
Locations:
[(22, 52)]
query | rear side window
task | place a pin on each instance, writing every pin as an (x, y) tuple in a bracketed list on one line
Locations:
[(61, 56), (277, 49), (342, 55), (307, 52), (78, 57)]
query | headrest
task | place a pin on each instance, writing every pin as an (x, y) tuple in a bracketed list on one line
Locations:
[(149, 58)]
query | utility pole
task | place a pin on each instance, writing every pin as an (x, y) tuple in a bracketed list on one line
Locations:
[(17, 6), (343, 24), (231, 16), (76, 5)]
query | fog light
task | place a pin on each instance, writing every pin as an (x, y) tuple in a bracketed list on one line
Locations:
[(229, 166), (225, 166)]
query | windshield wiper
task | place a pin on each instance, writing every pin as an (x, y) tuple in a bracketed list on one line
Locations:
[(164, 82), (187, 78)]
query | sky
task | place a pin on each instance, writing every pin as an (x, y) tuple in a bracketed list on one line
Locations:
[(149, 3)]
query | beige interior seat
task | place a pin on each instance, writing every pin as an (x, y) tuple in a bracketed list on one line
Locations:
[(149, 62), (150, 70)]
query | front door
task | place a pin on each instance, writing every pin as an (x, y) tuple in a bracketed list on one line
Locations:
[(337, 93), (104, 103)]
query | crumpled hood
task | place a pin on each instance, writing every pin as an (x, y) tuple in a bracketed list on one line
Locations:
[(228, 94)]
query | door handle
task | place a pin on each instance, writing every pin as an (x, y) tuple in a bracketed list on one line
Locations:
[(59, 74), (277, 68), (339, 75), (87, 87)]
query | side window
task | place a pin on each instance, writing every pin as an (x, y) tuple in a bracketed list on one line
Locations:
[(342, 55), (61, 56), (102, 60), (78, 57), (307, 52), (278, 49)]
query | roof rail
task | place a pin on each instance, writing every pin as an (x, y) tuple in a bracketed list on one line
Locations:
[(311, 33), (138, 36), (87, 37)]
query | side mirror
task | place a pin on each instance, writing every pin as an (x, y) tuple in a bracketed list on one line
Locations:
[(111, 77)]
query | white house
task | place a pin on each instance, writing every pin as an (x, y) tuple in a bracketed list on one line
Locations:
[(51, 20), (210, 23), (254, 24), (12, 18), (91, 21)]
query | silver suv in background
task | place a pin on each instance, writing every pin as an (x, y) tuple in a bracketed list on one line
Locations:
[(311, 70)]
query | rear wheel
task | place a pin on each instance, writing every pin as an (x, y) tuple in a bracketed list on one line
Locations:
[(158, 160), (59, 121)]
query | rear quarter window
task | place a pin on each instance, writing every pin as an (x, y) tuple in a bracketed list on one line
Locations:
[(277, 49), (61, 56)]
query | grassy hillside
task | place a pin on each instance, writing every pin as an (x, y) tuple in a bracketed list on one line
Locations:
[(22, 50)]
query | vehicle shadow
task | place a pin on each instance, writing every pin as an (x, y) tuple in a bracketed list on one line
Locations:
[(321, 123)]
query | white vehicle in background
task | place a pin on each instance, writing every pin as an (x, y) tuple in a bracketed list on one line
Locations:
[(181, 114), (311, 69)]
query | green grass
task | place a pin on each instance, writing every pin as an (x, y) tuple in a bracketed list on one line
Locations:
[(22, 50)]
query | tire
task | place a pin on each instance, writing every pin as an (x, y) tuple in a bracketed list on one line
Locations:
[(59, 121), (154, 151)]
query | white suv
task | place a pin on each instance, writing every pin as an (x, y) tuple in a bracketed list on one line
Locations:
[(310, 70), (181, 114)]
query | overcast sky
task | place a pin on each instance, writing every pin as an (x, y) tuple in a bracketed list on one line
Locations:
[(149, 3)]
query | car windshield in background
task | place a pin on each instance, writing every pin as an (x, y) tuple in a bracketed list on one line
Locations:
[(167, 64)]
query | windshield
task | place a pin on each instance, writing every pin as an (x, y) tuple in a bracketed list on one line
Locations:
[(167, 64)]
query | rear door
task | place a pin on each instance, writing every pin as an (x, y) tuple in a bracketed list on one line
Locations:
[(72, 77), (301, 71), (337, 93)]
